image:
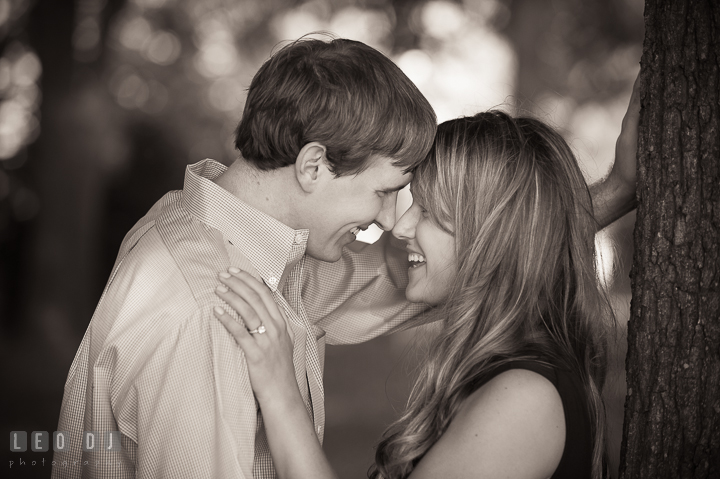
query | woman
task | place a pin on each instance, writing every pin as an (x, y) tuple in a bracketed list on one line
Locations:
[(500, 239)]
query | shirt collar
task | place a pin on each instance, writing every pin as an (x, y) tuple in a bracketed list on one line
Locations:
[(269, 244)]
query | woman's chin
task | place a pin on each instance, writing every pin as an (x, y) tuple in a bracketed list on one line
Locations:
[(419, 295), (421, 292), (413, 295)]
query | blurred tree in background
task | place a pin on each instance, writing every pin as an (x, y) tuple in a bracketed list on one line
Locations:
[(103, 102)]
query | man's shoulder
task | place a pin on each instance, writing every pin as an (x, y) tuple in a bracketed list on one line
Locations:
[(166, 272), (172, 245), (154, 304), (146, 268)]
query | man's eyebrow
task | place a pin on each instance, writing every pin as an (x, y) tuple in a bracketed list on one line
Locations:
[(393, 189), (399, 187)]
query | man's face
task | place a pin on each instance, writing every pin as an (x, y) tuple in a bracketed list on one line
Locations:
[(346, 205)]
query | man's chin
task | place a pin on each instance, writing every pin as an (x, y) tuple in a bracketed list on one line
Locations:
[(327, 255)]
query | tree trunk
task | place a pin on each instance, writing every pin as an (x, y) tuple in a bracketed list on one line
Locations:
[(672, 409)]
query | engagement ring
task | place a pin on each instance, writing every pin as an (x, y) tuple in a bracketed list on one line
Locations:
[(259, 330)]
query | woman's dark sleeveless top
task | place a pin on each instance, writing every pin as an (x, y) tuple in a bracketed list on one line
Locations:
[(576, 461)]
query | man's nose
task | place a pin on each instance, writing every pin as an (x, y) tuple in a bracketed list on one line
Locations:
[(386, 218)]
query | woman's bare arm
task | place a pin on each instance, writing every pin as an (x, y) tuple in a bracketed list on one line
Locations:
[(294, 446)]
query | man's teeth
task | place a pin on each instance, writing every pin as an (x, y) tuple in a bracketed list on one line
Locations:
[(416, 259)]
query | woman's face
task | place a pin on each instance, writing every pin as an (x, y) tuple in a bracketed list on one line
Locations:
[(431, 253)]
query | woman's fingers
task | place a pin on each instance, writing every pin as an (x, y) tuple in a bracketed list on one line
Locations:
[(251, 316), (265, 296), (238, 331), (254, 294)]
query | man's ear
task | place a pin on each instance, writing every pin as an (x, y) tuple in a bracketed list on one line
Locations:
[(311, 166)]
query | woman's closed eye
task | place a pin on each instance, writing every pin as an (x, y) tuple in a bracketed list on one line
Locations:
[(422, 209)]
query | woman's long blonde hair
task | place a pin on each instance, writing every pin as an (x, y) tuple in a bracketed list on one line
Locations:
[(522, 218)]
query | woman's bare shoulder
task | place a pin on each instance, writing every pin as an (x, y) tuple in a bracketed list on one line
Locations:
[(512, 426)]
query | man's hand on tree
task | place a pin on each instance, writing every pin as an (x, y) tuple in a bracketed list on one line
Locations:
[(624, 170)]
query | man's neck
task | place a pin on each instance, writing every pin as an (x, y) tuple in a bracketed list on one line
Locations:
[(270, 192)]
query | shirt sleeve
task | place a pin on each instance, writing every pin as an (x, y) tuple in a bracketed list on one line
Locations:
[(191, 410), (197, 416), (362, 295), (179, 393)]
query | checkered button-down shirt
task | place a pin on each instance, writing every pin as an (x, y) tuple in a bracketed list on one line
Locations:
[(157, 366)]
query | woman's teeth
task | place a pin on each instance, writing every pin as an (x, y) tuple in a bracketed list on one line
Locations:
[(355, 230), (416, 260)]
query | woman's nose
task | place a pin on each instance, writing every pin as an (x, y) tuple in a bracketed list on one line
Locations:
[(405, 227)]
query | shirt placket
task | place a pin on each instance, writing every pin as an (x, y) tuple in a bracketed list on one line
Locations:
[(312, 362), (305, 355), (300, 335)]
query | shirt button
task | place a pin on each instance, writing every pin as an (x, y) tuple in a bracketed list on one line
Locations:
[(319, 428), (273, 281), (298, 238)]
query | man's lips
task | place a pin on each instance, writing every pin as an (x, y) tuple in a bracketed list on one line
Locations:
[(358, 229)]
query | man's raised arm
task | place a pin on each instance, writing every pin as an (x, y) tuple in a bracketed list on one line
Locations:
[(362, 295), (615, 196)]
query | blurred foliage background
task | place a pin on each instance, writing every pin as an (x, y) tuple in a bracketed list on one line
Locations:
[(103, 102)]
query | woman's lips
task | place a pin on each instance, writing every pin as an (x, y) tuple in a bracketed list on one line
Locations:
[(416, 259)]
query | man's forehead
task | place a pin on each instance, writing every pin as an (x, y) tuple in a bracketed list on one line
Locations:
[(398, 179), (382, 174)]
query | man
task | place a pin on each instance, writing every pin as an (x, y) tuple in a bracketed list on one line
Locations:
[(330, 133)]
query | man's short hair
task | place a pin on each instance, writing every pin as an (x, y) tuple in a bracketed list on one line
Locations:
[(340, 93)]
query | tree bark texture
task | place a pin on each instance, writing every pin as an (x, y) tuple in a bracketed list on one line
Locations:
[(672, 408)]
